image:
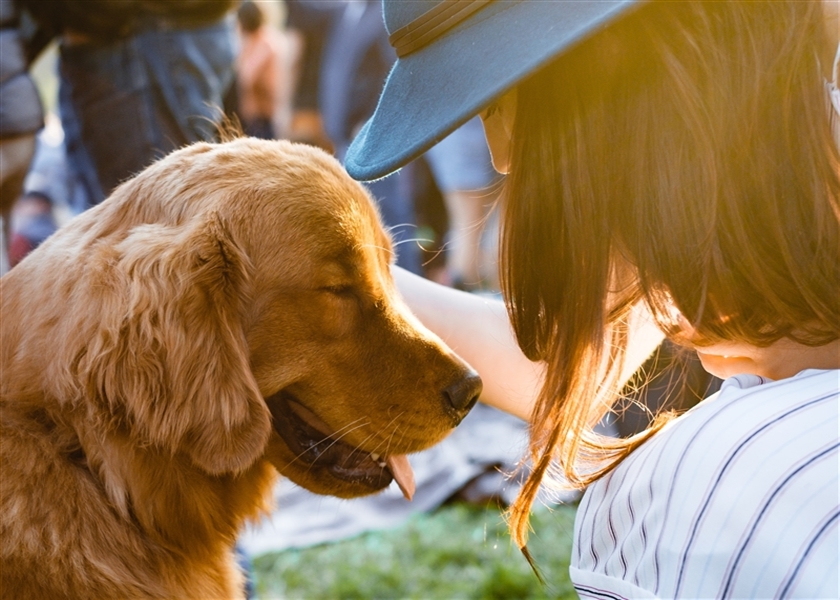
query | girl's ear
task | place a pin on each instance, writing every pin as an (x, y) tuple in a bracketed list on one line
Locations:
[(172, 360), (498, 129)]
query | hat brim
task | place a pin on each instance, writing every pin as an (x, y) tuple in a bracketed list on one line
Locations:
[(430, 93)]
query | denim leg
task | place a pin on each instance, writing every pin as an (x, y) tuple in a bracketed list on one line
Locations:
[(106, 104), (79, 162), (131, 102), (191, 71)]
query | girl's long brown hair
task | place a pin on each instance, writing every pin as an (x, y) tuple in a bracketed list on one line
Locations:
[(683, 157)]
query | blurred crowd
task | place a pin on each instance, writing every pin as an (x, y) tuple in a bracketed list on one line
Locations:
[(92, 95)]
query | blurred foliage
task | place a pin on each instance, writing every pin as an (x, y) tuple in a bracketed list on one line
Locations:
[(456, 552)]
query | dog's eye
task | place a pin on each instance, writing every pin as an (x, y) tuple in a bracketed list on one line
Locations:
[(339, 290)]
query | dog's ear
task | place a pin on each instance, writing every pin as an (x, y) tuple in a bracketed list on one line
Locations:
[(172, 364)]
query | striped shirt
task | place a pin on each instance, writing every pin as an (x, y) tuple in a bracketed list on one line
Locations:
[(738, 498)]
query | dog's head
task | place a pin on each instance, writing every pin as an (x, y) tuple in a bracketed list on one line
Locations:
[(242, 307)]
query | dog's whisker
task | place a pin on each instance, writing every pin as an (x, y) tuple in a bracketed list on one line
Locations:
[(389, 440), (358, 449), (434, 255), (347, 432), (338, 434), (418, 240), (402, 435), (355, 424), (390, 251), (349, 428), (385, 442), (337, 439), (390, 437), (374, 246), (391, 228)]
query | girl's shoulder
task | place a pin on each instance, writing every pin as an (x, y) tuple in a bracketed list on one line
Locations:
[(750, 400), (737, 497), (749, 412), (807, 381)]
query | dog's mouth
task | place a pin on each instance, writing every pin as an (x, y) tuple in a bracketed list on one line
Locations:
[(310, 439)]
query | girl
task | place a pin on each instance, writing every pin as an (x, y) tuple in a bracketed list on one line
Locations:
[(669, 163)]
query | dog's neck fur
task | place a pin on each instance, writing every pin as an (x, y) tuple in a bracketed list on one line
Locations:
[(175, 518), (148, 499)]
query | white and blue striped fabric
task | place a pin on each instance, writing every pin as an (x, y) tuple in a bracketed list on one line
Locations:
[(738, 498)]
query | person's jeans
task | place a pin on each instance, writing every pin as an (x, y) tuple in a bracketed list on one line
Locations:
[(125, 104)]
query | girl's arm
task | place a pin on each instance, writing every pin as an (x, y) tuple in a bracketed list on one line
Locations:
[(477, 328)]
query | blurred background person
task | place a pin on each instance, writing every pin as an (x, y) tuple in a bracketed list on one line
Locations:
[(469, 185), (21, 116), (263, 71), (345, 59), (355, 62), (138, 78), (50, 190), (307, 26), (33, 224)]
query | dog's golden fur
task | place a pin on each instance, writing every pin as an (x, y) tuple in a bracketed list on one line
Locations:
[(147, 344)]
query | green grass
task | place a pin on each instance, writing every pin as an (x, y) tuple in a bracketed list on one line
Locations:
[(457, 552)]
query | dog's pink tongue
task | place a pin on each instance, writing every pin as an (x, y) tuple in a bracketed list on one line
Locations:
[(402, 473)]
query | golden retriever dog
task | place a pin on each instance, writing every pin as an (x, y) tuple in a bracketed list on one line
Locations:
[(225, 315)]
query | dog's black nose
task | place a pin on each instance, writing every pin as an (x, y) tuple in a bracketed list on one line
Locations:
[(463, 394)]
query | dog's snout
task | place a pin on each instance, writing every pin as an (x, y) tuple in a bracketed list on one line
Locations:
[(463, 394)]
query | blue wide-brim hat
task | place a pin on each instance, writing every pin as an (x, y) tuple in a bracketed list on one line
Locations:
[(455, 57)]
